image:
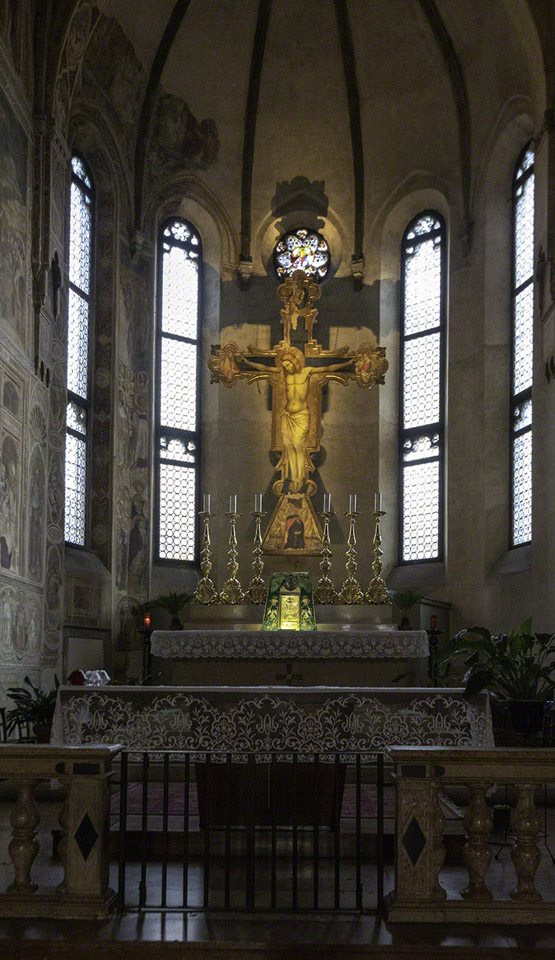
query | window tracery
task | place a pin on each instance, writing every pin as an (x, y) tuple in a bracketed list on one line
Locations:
[(78, 339), (421, 438), (177, 430), (522, 349), (302, 249)]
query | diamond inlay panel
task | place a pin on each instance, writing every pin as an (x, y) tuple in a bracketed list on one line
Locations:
[(414, 841), (86, 836)]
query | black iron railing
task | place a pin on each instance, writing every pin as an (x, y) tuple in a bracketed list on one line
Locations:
[(245, 831)]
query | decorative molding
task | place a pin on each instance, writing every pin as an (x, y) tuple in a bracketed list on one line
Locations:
[(288, 644)]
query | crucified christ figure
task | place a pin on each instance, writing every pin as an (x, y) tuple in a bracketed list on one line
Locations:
[(295, 463)]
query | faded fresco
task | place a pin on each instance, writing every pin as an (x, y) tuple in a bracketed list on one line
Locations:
[(35, 517), (13, 220), (9, 504)]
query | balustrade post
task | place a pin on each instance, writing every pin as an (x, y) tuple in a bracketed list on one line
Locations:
[(23, 848), (63, 845), (419, 851), (478, 821), (525, 853)]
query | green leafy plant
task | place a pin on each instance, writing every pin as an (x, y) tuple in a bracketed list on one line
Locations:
[(514, 666), (32, 705), (405, 599)]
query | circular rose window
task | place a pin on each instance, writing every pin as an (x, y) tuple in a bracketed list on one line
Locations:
[(302, 250)]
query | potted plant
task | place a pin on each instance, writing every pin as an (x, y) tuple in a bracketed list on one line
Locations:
[(173, 603), (517, 668), (405, 600), (33, 707)]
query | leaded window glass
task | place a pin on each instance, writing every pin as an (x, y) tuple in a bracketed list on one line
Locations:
[(78, 336), (302, 250), (522, 349), (177, 435), (422, 401)]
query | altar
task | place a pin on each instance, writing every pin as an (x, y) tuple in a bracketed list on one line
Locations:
[(344, 654)]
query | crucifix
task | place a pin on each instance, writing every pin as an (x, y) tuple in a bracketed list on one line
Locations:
[(296, 378), (289, 677)]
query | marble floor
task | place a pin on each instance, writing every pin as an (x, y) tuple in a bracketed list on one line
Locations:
[(263, 934)]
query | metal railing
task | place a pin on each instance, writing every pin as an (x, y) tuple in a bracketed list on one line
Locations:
[(246, 831)]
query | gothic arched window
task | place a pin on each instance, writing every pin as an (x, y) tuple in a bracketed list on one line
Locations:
[(522, 349), (177, 400), (78, 343), (422, 401)]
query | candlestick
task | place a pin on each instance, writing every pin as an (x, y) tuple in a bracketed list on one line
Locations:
[(232, 591), (256, 591), (351, 591), (325, 591), (377, 590), (146, 622), (206, 591)]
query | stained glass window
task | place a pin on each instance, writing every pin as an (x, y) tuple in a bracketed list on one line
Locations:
[(302, 250), (421, 439), (177, 435), (78, 335), (522, 349)]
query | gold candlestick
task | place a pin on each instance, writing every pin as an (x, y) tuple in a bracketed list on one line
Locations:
[(206, 591), (351, 591), (325, 591), (256, 591), (377, 590), (232, 592)]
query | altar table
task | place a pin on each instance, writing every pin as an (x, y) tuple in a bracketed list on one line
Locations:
[(276, 719), (345, 655)]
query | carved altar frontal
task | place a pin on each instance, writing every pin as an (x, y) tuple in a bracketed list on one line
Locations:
[(311, 720), (246, 644)]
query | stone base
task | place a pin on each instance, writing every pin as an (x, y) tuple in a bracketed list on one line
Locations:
[(55, 906), (461, 911)]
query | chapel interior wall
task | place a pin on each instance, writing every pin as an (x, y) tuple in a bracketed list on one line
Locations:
[(302, 168)]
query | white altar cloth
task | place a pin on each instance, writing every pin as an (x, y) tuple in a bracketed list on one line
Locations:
[(339, 643), (274, 719)]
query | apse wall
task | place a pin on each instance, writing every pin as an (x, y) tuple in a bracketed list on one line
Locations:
[(426, 142)]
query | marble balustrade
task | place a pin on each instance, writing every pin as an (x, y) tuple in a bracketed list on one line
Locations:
[(85, 772), (421, 775)]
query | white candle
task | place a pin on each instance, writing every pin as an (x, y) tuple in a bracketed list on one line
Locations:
[(377, 502), (233, 503), (258, 503), (327, 503), (352, 503), (206, 503)]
